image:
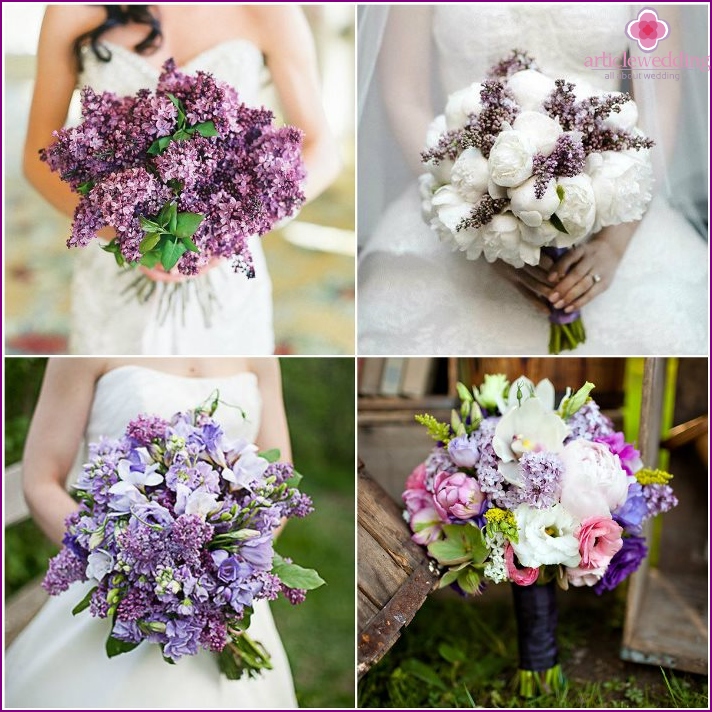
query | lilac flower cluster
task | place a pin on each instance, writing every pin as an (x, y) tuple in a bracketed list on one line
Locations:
[(217, 158), (176, 531), (540, 490)]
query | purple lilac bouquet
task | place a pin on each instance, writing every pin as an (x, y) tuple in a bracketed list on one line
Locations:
[(519, 490), (184, 174), (176, 529), (522, 164)]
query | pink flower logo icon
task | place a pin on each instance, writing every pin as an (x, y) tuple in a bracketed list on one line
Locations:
[(647, 29)]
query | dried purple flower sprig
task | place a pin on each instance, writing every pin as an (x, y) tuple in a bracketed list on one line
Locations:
[(189, 166)]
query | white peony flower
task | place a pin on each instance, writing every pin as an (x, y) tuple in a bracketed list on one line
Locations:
[(502, 239), (441, 170), (526, 427), (546, 537), (593, 481), (532, 211), (545, 234), (449, 209), (470, 174), (461, 104), (496, 191), (577, 211), (510, 160), (530, 88), (540, 129), (436, 129), (622, 183)]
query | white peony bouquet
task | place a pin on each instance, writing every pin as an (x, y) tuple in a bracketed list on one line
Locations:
[(522, 164)]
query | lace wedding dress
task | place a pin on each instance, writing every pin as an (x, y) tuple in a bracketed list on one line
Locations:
[(105, 321), (59, 661), (418, 297)]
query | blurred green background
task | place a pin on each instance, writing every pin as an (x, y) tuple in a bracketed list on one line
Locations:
[(319, 635)]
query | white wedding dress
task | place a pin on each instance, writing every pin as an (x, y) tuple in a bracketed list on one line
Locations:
[(105, 321), (416, 296), (59, 661)]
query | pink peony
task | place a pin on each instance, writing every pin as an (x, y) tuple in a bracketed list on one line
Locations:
[(457, 495), (522, 577)]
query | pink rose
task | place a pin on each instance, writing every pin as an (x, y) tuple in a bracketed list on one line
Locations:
[(599, 540), (458, 495), (522, 577)]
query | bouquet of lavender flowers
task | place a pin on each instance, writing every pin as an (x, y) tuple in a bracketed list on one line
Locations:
[(518, 490), (184, 174), (176, 530), (523, 164)]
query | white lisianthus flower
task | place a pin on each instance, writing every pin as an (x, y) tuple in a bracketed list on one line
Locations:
[(577, 210), (540, 129), (461, 104), (526, 427), (511, 158), (530, 88), (622, 183), (533, 211), (502, 239), (593, 483), (470, 174), (99, 564), (546, 537)]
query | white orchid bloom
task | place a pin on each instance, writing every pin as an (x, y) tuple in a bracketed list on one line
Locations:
[(522, 389)]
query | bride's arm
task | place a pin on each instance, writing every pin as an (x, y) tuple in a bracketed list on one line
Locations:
[(55, 80), (54, 439), (291, 58)]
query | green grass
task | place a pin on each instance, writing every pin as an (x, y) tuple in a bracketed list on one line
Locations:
[(319, 634), (463, 653)]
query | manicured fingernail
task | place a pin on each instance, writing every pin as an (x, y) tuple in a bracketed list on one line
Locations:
[(559, 304), (568, 310), (554, 297)]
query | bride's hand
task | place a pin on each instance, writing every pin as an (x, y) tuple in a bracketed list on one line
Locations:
[(158, 274), (588, 270), (532, 282)]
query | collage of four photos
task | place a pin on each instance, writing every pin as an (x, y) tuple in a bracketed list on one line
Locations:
[(356, 355)]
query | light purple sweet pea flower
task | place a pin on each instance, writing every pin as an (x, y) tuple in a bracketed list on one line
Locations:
[(463, 451), (258, 552), (247, 468)]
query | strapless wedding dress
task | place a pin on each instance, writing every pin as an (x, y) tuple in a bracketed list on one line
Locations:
[(105, 321), (59, 661), (418, 297)]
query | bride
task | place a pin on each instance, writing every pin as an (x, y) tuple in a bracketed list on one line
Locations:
[(649, 293), (58, 660), (121, 48)]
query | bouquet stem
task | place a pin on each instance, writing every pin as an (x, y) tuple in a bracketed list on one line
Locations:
[(243, 655), (537, 616)]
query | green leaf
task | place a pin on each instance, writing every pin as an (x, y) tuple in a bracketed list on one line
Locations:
[(295, 576), (271, 455), (148, 225), (449, 552), (159, 145), (190, 244), (150, 259), (175, 100), (173, 219), (294, 480), (116, 647), (556, 222), (452, 654), (84, 603), (560, 192), (187, 224), (449, 577), (206, 129), (84, 188), (171, 252), (423, 672), (149, 242), (112, 247), (181, 135)]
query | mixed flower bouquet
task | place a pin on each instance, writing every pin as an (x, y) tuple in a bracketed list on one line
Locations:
[(176, 531), (518, 490), (184, 174), (523, 164)]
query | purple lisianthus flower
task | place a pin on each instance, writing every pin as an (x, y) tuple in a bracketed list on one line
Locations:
[(635, 510), (623, 564), (229, 567), (463, 451)]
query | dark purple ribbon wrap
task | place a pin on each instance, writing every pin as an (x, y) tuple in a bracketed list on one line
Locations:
[(559, 316), (537, 615)]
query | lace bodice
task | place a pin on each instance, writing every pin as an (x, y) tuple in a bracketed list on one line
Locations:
[(238, 62), (471, 38), (125, 392)]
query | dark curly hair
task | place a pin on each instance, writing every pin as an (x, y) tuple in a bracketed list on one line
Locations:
[(117, 15)]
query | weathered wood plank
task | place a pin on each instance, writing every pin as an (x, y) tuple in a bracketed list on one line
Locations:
[(379, 577)]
